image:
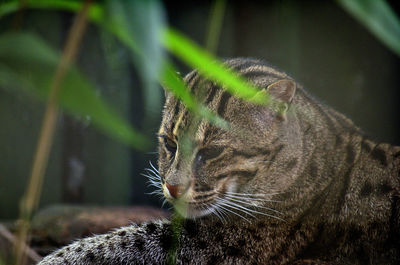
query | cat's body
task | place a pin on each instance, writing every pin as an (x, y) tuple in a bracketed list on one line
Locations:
[(299, 186)]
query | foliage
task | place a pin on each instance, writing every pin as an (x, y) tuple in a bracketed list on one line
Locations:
[(147, 53), (379, 18), (112, 16), (31, 71)]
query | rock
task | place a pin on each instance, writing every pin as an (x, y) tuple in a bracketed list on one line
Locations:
[(59, 225)]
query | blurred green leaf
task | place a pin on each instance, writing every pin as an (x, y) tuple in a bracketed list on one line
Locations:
[(174, 83), (378, 17), (215, 25), (95, 11), (211, 68), (207, 65), (180, 46), (143, 21), (33, 68), (138, 23)]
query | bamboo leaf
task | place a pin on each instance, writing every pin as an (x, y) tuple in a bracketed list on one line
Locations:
[(117, 26), (379, 18), (211, 68), (34, 68), (215, 25), (96, 11), (175, 85), (142, 21)]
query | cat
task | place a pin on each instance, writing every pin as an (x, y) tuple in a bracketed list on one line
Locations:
[(302, 185)]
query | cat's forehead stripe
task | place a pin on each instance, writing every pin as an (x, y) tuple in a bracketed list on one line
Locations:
[(189, 78), (193, 81), (201, 132), (223, 103), (211, 94), (176, 108), (178, 122)]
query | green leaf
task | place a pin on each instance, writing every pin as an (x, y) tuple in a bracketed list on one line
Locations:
[(142, 21), (379, 18), (95, 12), (175, 85), (211, 68), (215, 25), (117, 25), (33, 69)]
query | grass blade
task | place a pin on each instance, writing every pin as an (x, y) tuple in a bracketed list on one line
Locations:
[(211, 68), (379, 18), (215, 24), (175, 84), (142, 21), (168, 76)]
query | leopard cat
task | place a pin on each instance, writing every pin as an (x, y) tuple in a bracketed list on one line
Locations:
[(302, 185)]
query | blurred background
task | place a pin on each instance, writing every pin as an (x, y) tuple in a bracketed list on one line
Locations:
[(322, 46)]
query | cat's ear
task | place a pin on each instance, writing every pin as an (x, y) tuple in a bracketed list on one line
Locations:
[(167, 93), (283, 90)]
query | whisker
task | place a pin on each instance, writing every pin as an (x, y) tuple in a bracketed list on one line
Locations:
[(257, 206), (248, 198), (207, 208), (218, 214), (214, 210), (253, 194), (154, 180), (154, 184), (224, 215), (238, 207), (273, 216), (247, 210), (163, 203), (155, 192), (226, 209), (153, 167), (151, 171), (150, 177)]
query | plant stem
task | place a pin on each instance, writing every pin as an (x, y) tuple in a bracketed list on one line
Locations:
[(215, 25), (31, 198)]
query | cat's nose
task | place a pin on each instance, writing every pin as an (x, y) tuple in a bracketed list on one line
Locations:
[(174, 190)]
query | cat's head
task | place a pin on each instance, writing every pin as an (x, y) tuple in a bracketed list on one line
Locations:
[(206, 169)]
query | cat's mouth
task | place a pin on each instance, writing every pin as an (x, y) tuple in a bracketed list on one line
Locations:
[(192, 204), (194, 209)]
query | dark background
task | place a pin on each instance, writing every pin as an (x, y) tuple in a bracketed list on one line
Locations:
[(316, 42)]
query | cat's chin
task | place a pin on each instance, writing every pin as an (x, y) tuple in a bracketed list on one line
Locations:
[(189, 212)]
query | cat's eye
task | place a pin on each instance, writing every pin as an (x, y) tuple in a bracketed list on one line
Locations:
[(170, 144), (209, 153)]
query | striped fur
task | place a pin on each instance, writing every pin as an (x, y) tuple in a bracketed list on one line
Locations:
[(301, 187)]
